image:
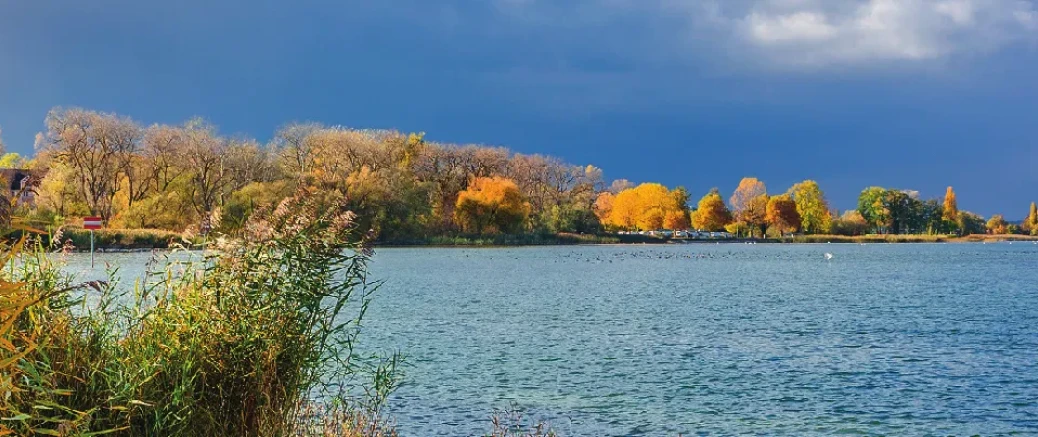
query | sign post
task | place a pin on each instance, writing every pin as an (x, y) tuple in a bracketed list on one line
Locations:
[(92, 223)]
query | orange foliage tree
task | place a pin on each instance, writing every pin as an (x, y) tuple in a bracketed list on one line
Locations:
[(749, 204), (711, 214), (782, 214), (603, 205), (647, 206), (491, 205)]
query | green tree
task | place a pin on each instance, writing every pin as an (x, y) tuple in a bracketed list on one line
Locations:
[(872, 207), (970, 223), (899, 206)]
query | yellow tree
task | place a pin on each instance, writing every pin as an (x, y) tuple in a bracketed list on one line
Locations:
[(647, 206), (491, 205), (814, 212), (749, 204), (997, 224), (711, 213), (951, 206), (1031, 223), (782, 214), (676, 220)]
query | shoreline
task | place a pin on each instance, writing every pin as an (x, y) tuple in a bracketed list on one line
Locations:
[(617, 240)]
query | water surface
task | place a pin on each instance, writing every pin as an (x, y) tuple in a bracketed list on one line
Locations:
[(884, 339)]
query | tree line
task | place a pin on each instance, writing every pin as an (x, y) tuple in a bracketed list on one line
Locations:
[(190, 177)]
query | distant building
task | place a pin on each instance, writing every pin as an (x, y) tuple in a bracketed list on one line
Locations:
[(22, 184)]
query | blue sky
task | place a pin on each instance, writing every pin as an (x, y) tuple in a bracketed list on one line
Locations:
[(913, 94)]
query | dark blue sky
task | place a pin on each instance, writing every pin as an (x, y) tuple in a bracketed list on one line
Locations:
[(914, 94)]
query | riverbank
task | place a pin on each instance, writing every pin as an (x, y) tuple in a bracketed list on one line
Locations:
[(143, 240)]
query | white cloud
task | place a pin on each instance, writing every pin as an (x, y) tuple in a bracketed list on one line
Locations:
[(863, 31), (798, 26), (807, 32)]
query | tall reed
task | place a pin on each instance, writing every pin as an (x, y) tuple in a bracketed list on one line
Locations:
[(249, 341)]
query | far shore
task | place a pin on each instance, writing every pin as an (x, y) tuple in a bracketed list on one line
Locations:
[(122, 241)]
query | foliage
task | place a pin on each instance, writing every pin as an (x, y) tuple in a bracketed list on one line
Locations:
[(648, 207), (1030, 224), (491, 205), (970, 223), (951, 206), (997, 225), (191, 178), (711, 213), (812, 207), (872, 207), (749, 204), (782, 214), (851, 223)]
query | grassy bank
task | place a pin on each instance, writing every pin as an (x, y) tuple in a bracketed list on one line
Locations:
[(987, 238), (909, 238), (906, 238)]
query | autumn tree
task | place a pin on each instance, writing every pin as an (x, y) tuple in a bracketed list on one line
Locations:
[(648, 207), (782, 214), (604, 205), (491, 205), (811, 205), (96, 147), (711, 213), (296, 146), (850, 223), (204, 155), (1030, 224), (749, 204), (997, 225), (951, 206)]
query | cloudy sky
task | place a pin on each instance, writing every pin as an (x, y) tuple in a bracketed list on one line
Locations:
[(914, 94)]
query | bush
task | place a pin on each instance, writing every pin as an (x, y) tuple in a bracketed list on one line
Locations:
[(252, 341)]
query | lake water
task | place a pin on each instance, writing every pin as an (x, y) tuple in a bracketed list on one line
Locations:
[(714, 339)]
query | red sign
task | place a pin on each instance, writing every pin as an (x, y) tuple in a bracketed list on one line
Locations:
[(91, 222)]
